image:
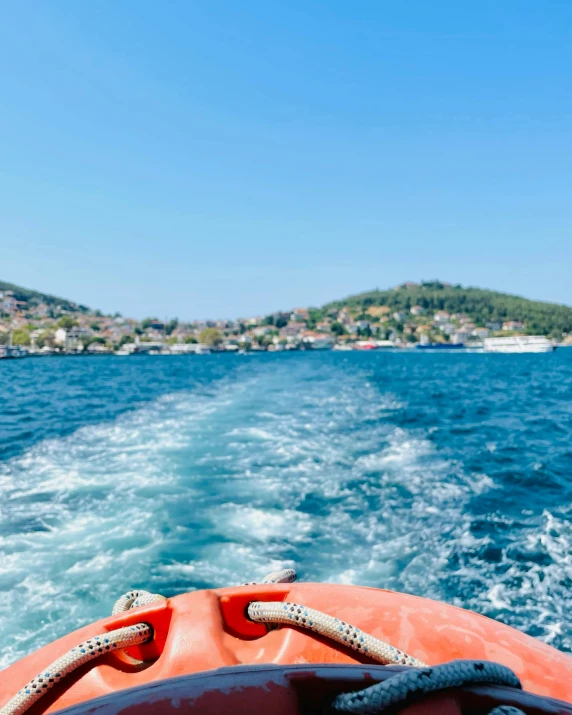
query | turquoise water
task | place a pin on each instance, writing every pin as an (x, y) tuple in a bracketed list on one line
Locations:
[(445, 475)]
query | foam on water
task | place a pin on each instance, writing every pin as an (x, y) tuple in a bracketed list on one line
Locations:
[(218, 484)]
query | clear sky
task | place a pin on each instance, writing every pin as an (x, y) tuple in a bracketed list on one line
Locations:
[(209, 158)]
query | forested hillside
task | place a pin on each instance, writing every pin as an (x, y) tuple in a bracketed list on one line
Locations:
[(33, 298), (481, 305)]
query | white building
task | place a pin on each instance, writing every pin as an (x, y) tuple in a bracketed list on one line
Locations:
[(480, 333), (513, 325), (460, 336), (344, 317), (9, 303), (263, 330), (70, 338), (447, 328), (299, 315), (319, 341), (441, 316)]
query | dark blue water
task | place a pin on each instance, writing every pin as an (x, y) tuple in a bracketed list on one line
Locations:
[(444, 475)]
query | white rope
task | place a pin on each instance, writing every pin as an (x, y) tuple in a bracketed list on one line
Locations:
[(67, 663), (293, 614), (280, 576), (133, 599), (269, 612)]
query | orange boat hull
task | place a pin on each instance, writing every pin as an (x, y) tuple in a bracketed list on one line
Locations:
[(206, 630)]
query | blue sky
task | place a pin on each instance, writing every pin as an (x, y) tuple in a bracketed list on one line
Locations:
[(207, 159)]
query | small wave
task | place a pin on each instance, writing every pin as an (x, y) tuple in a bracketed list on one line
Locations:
[(321, 469)]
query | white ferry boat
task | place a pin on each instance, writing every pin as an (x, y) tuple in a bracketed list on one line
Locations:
[(519, 344)]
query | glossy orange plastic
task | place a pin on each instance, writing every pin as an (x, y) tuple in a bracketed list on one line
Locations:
[(205, 630)]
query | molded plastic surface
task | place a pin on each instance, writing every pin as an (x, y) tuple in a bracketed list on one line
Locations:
[(205, 630)]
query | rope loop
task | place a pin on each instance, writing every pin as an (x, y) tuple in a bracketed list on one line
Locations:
[(280, 576), (133, 599)]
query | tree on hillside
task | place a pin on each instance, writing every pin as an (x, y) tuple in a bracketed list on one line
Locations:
[(263, 340), (67, 322), (46, 338), (93, 339), (123, 340), (171, 326), (21, 337), (211, 337)]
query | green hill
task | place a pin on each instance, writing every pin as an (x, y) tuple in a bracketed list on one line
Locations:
[(34, 298), (483, 306)]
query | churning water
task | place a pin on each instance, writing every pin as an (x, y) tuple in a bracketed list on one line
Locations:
[(443, 475)]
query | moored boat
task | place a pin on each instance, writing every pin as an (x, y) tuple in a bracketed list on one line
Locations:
[(519, 344), (365, 345), (338, 649), (440, 346), (12, 351)]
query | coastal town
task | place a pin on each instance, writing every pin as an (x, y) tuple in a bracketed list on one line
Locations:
[(32, 326)]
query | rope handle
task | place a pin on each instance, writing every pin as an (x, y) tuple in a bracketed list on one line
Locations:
[(293, 614), (67, 663)]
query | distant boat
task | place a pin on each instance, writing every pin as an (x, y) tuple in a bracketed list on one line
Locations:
[(365, 345), (384, 344), (441, 346), (519, 344), (12, 351)]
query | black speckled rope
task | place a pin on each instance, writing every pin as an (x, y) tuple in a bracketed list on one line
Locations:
[(403, 687)]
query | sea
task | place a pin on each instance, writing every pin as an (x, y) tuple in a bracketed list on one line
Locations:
[(447, 475)]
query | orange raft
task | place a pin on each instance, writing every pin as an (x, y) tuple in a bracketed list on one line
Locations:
[(208, 630)]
